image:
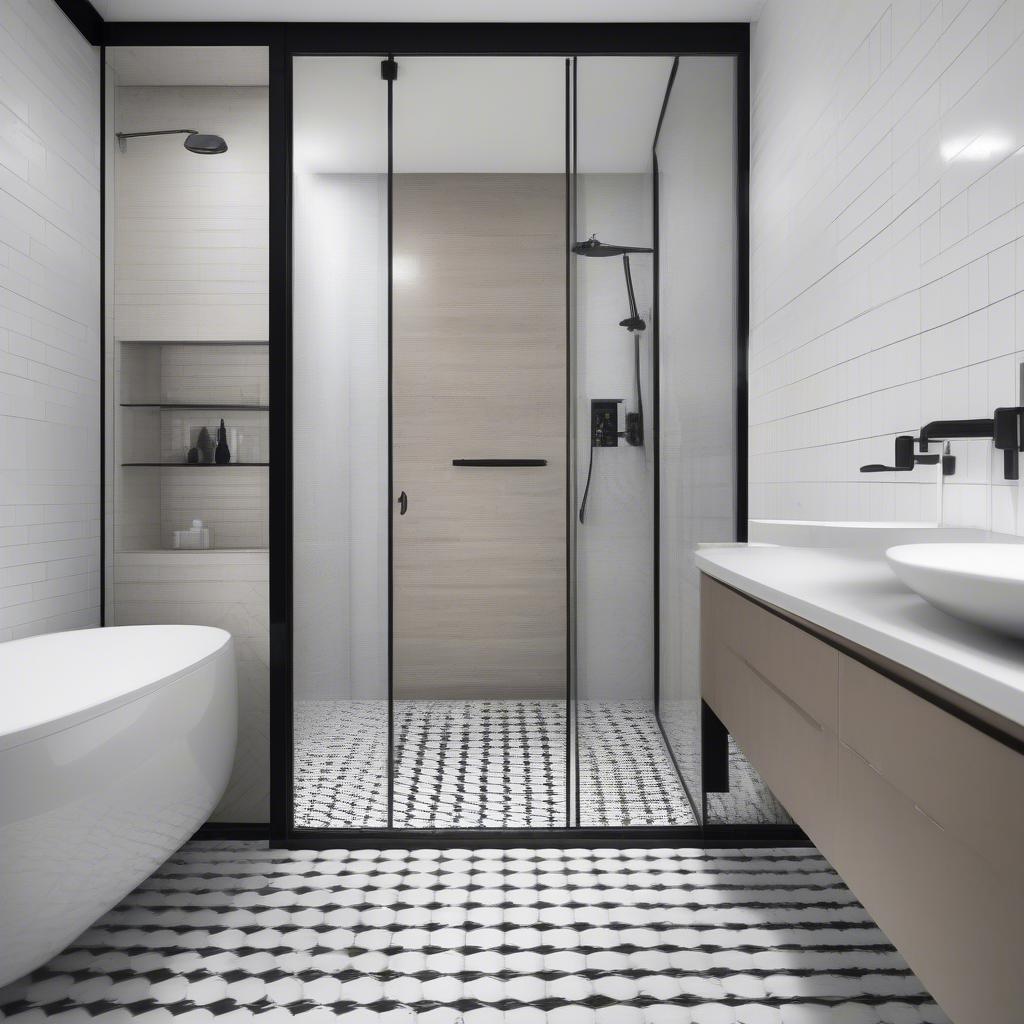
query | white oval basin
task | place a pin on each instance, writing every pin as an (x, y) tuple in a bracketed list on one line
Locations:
[(983, 583)]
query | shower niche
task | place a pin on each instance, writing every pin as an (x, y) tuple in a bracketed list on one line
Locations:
[(189, 299), (187, 346)]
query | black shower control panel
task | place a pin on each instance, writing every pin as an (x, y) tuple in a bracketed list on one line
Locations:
[(604, 422)]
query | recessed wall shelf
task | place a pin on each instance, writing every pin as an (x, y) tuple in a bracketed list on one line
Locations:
[(212, 344), (194, 465), (191, 405)]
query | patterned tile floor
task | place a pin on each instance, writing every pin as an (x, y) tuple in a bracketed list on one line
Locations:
[(236, 932), (481, 764)]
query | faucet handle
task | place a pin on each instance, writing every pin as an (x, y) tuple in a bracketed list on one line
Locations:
[(904, 452), (1007, 436), (904, 462)]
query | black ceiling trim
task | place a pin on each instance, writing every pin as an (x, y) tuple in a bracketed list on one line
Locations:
[(85, 18), (534, 38)]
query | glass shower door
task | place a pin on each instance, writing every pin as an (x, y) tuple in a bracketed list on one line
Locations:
[(479, 427), (340, 450), (627, 772)]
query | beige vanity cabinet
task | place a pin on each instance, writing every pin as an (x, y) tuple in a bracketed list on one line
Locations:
[(919, 810)]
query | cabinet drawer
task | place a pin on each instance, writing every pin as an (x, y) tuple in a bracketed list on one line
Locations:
[(793, 754), (801, 666), (956, 921), (966, 781)]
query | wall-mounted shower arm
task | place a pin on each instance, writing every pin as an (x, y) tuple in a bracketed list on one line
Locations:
[(195, 141)]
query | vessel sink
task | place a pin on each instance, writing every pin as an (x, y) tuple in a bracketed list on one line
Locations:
[(982, 583)]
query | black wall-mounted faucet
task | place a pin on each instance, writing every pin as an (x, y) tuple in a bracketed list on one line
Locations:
[(1005, 427)]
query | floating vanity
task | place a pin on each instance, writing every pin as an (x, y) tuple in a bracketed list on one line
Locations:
[(894, 735)]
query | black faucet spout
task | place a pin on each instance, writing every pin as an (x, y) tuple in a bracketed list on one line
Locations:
[(943, 429)]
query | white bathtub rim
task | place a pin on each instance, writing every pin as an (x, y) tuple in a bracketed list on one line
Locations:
[(28, 733)]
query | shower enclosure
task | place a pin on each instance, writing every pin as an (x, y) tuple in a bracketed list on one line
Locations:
[(504, 450)]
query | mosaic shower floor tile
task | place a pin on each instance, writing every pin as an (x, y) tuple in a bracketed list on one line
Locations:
[(482, 764)]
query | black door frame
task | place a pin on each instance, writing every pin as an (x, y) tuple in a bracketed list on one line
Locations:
[(284, 41)]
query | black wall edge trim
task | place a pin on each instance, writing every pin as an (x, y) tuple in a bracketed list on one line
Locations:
[(709, 837), (247, 830), (560, 39), (85, 18)]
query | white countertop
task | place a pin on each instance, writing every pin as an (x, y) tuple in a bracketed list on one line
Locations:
[(854, 594)]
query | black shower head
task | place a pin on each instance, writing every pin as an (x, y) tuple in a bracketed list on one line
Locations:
[(195, 142), (593, 247), (208, 144)]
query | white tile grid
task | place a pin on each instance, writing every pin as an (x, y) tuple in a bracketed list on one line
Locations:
[(481, 764), (228, 589), (49, 323), (635, 936), (887, 252)]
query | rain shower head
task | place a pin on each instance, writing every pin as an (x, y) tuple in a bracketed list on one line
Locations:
[(195, 142), (208, 144), (593, 247)]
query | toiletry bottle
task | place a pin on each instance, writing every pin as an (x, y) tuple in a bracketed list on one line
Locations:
[(222, 456)]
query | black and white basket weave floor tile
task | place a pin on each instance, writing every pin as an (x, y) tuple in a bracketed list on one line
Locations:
[(236, 932)]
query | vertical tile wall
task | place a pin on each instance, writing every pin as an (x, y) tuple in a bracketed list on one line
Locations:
[(190, 262), (49, 322), (887, 251)]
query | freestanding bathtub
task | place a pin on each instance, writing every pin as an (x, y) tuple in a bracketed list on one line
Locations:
[(115, 745)]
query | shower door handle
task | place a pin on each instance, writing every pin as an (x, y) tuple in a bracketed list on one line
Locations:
[(403, 503)]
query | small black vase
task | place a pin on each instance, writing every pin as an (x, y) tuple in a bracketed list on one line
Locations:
[(222, 456)]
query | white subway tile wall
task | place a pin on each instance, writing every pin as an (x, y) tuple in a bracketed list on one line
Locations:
[(49, 322), (887, 252)]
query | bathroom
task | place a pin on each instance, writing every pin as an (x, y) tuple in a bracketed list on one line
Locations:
[(512, 519)]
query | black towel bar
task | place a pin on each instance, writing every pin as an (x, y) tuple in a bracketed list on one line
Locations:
[(499, 462)]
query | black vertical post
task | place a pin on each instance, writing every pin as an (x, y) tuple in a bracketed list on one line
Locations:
[(655, 432), (103, 335), (714, 751), (280, 365), (389, 72), (742, 280), (570, 412)]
